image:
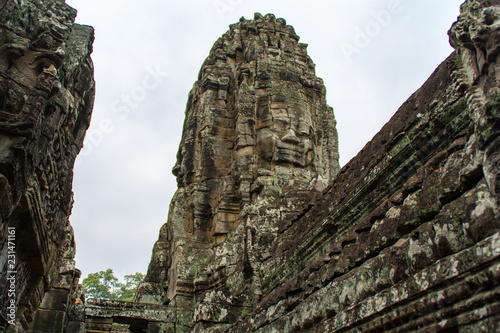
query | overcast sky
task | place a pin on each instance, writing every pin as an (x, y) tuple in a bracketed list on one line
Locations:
[(372, 55)]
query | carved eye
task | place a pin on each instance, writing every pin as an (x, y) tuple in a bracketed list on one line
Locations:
[(41, 64), (45, 60), (304, 129), (282, 122)]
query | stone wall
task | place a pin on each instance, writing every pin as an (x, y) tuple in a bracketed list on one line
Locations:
[(46, 98), (407, 237), (404, 238)]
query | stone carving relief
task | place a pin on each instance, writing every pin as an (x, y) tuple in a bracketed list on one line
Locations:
[(46, 99), (475, 37), (258, 141)]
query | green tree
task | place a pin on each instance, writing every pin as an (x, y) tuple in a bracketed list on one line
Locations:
[(127, 290), (95, 287), (109, 280), (104, 284)]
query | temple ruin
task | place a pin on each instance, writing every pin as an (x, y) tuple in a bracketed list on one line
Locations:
[(266, 233)]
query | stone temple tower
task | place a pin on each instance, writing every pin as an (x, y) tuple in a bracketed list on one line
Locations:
[(258, 142)]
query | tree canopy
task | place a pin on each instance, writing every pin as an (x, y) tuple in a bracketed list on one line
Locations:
[(104, 284)]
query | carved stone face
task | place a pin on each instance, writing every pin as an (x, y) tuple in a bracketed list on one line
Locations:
[(26, 64), (285, 135)]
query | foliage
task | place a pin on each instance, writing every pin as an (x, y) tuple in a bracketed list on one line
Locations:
[(127, 290), (104, 284)]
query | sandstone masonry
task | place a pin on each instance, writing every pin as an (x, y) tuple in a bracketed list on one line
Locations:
[(46, 99), (258, 143), (265, 233)]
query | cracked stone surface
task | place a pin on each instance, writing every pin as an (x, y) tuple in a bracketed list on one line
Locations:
[(46, 99)]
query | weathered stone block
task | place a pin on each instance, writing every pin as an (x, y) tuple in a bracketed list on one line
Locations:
[(63, 281), (161, 328), (49, 320), (75, 327)]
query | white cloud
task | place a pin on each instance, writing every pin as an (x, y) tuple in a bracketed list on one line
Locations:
[(124, 185)]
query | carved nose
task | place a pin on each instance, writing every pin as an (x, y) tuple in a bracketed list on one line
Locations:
[(290, 137)]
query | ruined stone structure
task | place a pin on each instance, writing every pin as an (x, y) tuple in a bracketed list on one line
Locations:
[(404, 238), (258, 143), (265, 233), (46, 99)]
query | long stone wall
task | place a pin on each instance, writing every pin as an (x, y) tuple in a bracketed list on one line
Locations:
[(46, 99)]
